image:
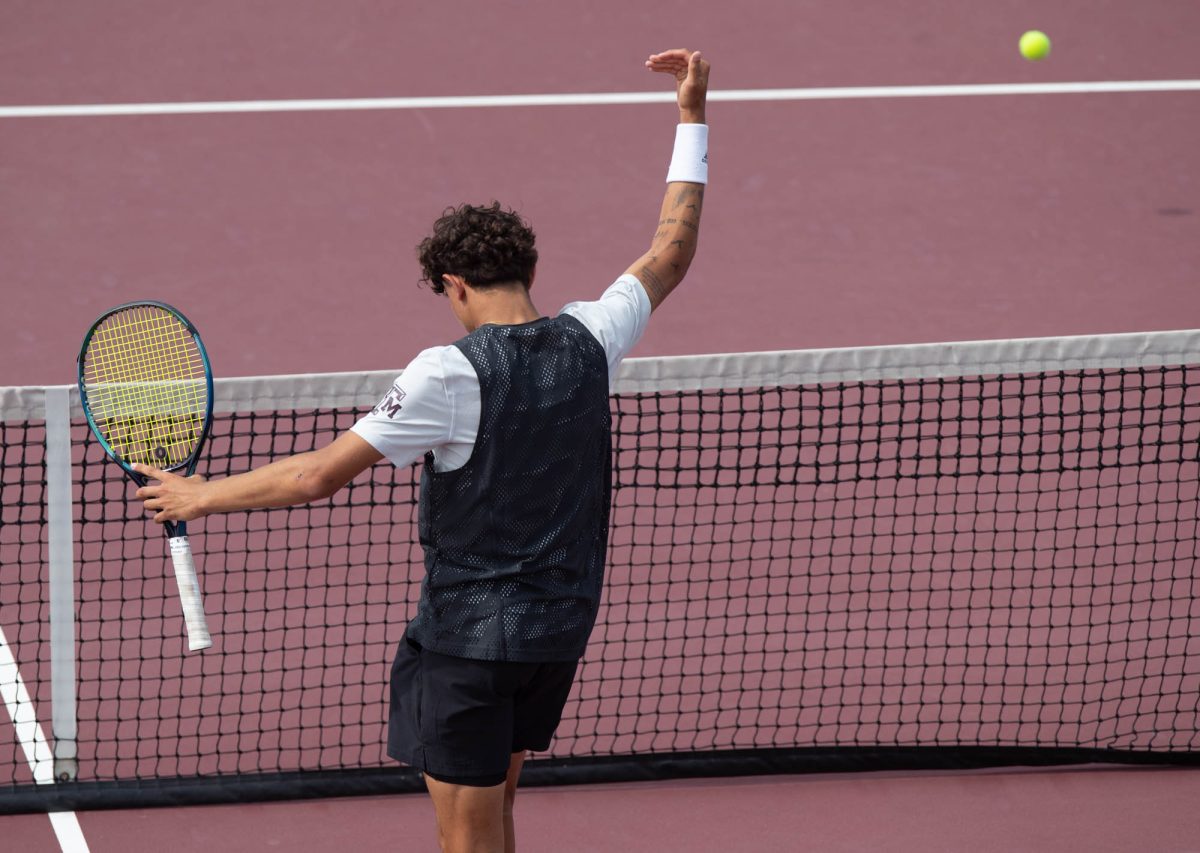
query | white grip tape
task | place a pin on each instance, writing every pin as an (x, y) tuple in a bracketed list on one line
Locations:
[(189, 593), (689, 162)]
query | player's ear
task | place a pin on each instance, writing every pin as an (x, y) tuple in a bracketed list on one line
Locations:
[(455, 287)]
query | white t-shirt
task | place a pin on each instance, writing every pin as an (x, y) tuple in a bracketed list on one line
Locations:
[(435, 403)]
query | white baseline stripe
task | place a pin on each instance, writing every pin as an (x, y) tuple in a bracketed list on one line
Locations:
[(20, 709), (33, 742), (69, 832), (594, 99)]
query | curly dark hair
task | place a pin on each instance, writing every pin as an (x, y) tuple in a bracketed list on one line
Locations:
[(485, 245)]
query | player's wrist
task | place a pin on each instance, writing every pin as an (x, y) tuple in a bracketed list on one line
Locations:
[(203, 499), (689, 161), (199, 506), (692, 116)]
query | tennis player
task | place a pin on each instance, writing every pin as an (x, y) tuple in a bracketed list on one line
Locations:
[(513, 423)]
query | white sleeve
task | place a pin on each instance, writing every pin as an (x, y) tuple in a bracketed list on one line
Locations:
[(416, 415), (617, 319)]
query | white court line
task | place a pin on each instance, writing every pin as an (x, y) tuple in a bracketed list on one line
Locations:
[(595, 99), (33, 742), (69, 832)]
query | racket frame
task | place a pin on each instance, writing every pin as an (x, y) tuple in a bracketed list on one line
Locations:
[(176, 531)]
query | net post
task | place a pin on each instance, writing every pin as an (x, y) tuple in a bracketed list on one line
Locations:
[(60, 517)]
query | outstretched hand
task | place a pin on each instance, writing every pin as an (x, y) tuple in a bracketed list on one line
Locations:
[(691, 80), (174, 498)]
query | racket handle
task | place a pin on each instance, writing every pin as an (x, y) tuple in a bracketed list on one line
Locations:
[(189, 593)]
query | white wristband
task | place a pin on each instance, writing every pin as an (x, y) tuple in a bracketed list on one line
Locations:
[(690, 160)]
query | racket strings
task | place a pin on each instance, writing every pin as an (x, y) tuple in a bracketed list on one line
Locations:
[(146, 386)]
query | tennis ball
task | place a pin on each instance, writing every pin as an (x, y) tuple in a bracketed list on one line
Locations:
[(1035, 45)]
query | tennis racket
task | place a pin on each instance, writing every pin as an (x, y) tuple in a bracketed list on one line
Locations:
[(146, 388)]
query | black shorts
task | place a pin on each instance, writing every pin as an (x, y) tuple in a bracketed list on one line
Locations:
[(460, 720)]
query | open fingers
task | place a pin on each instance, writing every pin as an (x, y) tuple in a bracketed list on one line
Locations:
[(666, 64), (150, 471), (678, 54), (670, 61), (152, 504)]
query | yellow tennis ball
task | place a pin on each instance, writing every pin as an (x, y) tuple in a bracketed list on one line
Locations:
[(1035, 45)]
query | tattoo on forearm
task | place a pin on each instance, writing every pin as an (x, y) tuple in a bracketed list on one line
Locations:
[(688, 193), (686, 223), (657, 290), (674, 243)]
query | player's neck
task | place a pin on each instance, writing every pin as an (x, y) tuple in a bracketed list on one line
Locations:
[(508, 306)]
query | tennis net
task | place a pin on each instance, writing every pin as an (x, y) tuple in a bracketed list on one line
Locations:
[(931, 555)]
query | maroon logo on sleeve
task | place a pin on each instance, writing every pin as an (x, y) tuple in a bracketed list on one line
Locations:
[(389, 406)]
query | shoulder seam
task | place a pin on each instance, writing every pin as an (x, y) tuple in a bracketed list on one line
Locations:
[(451, 403)]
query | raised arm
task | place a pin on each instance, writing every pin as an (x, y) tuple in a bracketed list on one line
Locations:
[(663, 267)]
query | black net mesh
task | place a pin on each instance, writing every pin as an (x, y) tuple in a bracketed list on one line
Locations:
[(24, 598), (983, 561)]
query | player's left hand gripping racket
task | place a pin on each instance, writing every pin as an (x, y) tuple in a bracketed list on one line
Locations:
[(146, 388)]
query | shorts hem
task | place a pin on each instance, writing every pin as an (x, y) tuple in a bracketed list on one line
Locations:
[(462, 776), (490, 780)]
